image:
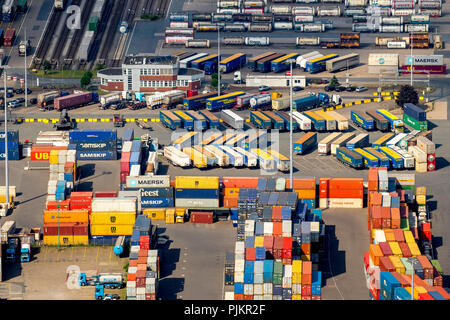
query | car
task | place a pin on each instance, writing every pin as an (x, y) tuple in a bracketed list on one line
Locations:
[(339, 89), (20, 100), (329, 88), (297, 88), (19, 91), (9, 94), (263, 88), (33, 100), (350, 89), (14, 104), (10, 90), (29, 91), (361, 89)]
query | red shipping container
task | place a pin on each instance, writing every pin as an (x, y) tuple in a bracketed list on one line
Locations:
[(401, 279), (306, 290), (248, 297), (240, 182), (373, 179), (386, 264), (150, 296), (250, 254), (132, 277), (278, 242), (144, 239), (9, 37), (316, 297), (287, 242), (431, 162), (238, 296), (276, 214), (201, 217), (191, 93), (437, 278), (405, 249), (385, 248), (385, 217), (375, 293), (144, 246), (306, 278), (376, 199), (376, 217), (425, 296), (427, 267), (398, 235), (268, 242), (65, 229), (140, 282), (105, 194), (63, 205), (81, 195), (143, 253), (230, 202), (346, 193), (277, 253), (125, 157), (395, 218), (42, 152), (301, 183), (81, 229), (124, 166), (324, 184), (287, 254), (346, 184), (277, 228), (426, 231), (306, 297)]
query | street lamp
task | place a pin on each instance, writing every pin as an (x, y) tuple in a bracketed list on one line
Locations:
[(218, 59), (291, 169), (6, 141)]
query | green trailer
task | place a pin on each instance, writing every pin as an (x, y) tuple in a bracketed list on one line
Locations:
[(22, 5), (415, 124), (93, 24)]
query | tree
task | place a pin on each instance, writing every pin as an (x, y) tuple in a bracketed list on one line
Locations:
[(100, 66), (334, 82), (46, 66), (86, 79), (407, 95), (215, 75), (214, 83)]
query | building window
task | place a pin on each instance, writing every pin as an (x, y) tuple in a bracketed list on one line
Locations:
[(186, 83), (141, 71)]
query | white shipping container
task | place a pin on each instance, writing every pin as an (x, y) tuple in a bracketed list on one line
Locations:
[(248, 289), (177, 157), (416, 27), (159, 181), (267, 288), (379, 236), (287, 282), (239, 247), (334, 12), (196, 203), (229, 295), (389, 28), (258, 289), (303, 11), (383, 59), (396, 44), (402, 12), (113, 205), (287, 228), (426, 145), (341, 203), (380, 3), (304, 18), (355, 3), (280, 9), (419, 155), (177, 39), (282, 25), (178, 24), (303, 121), (268, 228)]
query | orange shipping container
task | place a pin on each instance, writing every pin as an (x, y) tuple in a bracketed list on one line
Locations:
[(306, 194), (302, 184), (395, 218), (398, 235), (277, 228), (66, 216), (375, 253), (132, 277), (345, 194), (240, 182), (351, 183), (231, 192), (230, 202), (42, 152), (323, 187), (133, 263), (373, 179), (376, 199), (389, 235)]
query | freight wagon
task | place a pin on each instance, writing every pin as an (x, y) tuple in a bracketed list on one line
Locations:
[(281, 161), (324, 146), (319, 122), (252, 62), (232, 119), (327, 11), (76, 100), (306, 142), (341, 141), (344, 62), (232, 63), (369, 159), (362, 120), (198, 101), (266, 161), (349, 158), (225, 101), (213, 121), (201, 17), (260, 27), (257, 41), (260, 120), (235, 27), (236, 41), (169, 119), (307, 41), (382, 140), (310, 27), (380, 122), (383, 160), (360, 141), (197, 43), (319, 64), (394, 157)]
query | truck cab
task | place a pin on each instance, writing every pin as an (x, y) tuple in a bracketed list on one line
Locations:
[(210, 67), (237, 77), (11, 250), (25, 250), (397, 126), (100, 294), (88, 279)]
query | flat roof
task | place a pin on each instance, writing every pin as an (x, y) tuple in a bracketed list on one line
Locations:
[(111, 72), (150, 60)]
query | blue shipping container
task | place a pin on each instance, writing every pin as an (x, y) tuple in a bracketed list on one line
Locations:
[(248, 278), (135, 158), (107, 240), (12, 145), (136, 146), (197, 193), (13, 135), (157, 202), (156, 192), (239, 287), (310, 203), (249, 266), (97, 155), (92, 135), (12, 155), (128, 135), (98, 146)]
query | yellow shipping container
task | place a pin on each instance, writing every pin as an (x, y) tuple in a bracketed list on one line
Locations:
[(409, 238), (155, 213), (259, 241), (66, 216), (53, 158), (111, 230), (399, 267), (3, 198), (197, 182), (296, 277), (417, 290), (395, 249), (421, 195), (170, 215), (230, 192), (53, 240), (296, 266), (113, 218), (389, 235), (84, 240), (415, 252), (306, 194), (296, 297)]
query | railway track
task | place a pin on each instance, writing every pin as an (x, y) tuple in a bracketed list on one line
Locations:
[(111, 31), (109, 5), (47, 38)]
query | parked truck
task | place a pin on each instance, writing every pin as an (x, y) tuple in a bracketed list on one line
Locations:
[(243, 101), (169, 119), (395, 123), (380, 122), (188, 121), (261, 102), (324, 146), (75, 100), (319, 64), (318, 122), (110, 98), (307, 142), (224, 101), (47, 98), (207, 64), (349, 158), (303, 121), (342, 63), (236, 61), (198, 101), (232, 119), (109, 280), (260, 120), (24, 48), (360, 141), (176, 157), (362, 120), (25, 248), (11, 250)]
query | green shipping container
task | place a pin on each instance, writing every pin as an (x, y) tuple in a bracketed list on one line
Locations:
[(437, 265), (93, 23), (413, 188), (418, 125), (404, 224), (278, 268), (277, 279)]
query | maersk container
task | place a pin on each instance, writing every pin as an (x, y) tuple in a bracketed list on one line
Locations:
[(362, 120), (96, 155), (360, 141), (86, 135), (349, 157), (306, 142)]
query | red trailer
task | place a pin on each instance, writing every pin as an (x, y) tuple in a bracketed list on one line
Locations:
[(73, 101), (10, 35)]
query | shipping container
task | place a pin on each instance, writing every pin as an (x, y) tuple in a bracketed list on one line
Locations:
[(379, 121), (324, 146), (344, 62), (306, 142), (395, 158), (383, 160), (349, 157), (341, 141)]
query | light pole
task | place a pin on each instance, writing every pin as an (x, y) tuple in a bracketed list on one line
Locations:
[(25, 69), (58, 203), (6, 141), (218, 59), (291, 169)]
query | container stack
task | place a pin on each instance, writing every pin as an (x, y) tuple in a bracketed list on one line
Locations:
[(62, 170), (94, 144), (66, 233), (127, 138), (231, 187), (429, 148), (143, 270), (196, 192), (305, 189), (154, 191), (341, 193), (415, 117), (112, 217), (400, 243), (81, 201), (47, 141), (13, 145)]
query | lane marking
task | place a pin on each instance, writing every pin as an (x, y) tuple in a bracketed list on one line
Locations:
[(71, 254), (84, 254), (96, 258)]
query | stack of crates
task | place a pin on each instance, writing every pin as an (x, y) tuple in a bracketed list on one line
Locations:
[(143, 270), (62, 174)]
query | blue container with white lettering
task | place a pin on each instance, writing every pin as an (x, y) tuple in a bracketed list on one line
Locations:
[(97, 155), (97, 146), (234, 213), (239, 287), (12, 155), (156, 192), (68, 176), (260, 253), (197, 193), (310, 203), (249, 242), (106, 240), (92, 135), (316, 282), (12, 146), (13, 135), (157, 202)]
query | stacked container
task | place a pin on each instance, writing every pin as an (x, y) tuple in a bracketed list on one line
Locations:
[(415, 117), (143, 270), (305, 189), (153, 191), (66, 233), (341, 193), (94, 144), (196, 192), (231, 187), (112, 217), (429, 148), (13, 145), (394, 257)]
